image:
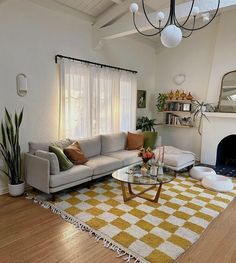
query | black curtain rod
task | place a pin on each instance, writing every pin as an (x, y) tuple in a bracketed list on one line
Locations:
[(94, 63)]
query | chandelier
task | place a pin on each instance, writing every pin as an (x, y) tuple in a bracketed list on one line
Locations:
[(173, 30)]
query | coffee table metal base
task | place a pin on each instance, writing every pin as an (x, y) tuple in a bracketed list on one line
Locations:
[(131, 195)]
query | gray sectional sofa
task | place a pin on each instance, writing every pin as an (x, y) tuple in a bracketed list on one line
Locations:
[(105, 154)]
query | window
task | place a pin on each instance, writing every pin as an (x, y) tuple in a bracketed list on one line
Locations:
[(95, 100)]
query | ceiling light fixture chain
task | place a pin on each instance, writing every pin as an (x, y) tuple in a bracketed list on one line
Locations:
[(172, 32)]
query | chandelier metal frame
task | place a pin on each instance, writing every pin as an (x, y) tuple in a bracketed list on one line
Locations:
[(172, 20)]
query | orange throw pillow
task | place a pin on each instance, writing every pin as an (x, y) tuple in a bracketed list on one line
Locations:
[(75, 154), (135, 141)]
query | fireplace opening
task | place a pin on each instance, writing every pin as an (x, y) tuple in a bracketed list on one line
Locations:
[(226, 152)]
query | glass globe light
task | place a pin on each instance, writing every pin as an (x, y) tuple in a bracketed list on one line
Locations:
[(171, 36), (160, 16), (195, 11), (133, 8)]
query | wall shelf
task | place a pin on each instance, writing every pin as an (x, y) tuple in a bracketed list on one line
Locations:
[(178, 113)]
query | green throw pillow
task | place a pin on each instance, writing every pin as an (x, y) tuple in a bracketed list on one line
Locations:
[(149, 139), (64, 162)]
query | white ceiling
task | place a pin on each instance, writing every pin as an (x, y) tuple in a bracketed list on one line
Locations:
[(90, 7), (96, 8)]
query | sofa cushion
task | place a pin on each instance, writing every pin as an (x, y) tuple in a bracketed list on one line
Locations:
[(135, 141), (75, 154), (64, 162), (62, 143), (44, 146), (34, 146), (113, 142), (103, 164), (127, 157), (52, 158), (76, 173), (149, 139), (91, 146)]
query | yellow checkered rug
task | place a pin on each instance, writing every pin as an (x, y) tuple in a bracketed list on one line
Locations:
[(140, 230)]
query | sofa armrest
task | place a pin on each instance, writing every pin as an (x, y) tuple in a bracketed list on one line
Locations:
[(37, 172)]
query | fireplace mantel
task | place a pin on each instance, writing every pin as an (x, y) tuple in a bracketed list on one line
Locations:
[(220, 115), (219, 126)]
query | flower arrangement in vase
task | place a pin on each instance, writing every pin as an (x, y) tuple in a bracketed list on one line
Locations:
[(146, 155)]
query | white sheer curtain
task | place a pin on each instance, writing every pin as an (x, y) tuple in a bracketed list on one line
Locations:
[(95, 100)]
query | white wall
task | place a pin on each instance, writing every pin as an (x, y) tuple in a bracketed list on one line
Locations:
[(205, 57), (30, 37), (193, 57), (224, 59)]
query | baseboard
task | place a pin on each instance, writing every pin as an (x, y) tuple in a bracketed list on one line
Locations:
[(3, 190)]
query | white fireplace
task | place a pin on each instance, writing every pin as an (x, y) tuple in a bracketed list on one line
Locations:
[(217, 128)]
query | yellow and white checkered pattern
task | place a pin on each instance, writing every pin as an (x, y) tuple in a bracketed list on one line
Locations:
[(155, 232)]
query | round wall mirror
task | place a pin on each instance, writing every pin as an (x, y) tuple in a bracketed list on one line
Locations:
[(227, 100)]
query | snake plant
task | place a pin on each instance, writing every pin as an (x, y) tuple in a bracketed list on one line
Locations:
[(10, 147)]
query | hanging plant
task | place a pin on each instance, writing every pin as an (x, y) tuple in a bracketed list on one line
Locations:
[(161, 101)]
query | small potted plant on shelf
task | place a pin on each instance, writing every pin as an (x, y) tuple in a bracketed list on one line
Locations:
[(11, 152), (161, 101), (199, 109)]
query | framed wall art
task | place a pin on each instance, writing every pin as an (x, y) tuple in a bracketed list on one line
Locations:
[(141, 99)]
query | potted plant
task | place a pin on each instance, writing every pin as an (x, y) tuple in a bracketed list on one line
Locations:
[(147, 126), (199, 109), (161, 101), (11, 153)]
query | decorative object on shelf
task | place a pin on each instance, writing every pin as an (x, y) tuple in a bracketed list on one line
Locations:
[(21, 84), (199, 109), (189, 96), (177, 94), (186, 121), (179, 79), (161, 101), (183, 95), (171, 29), (146, 155), (11, 153), (171, 95), (141, 99), (186, 107)]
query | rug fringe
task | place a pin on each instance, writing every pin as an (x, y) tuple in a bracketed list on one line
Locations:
[(127, 255)]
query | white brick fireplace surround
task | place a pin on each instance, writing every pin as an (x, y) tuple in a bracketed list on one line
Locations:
[(217, 128)]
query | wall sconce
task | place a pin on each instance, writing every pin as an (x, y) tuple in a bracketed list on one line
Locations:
[(21, 84), (179, 79)]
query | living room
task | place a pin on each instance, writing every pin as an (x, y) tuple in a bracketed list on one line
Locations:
[(33, 32)]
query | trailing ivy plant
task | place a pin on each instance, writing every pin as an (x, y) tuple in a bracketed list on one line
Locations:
[(10, 146), (198, 112), (145, 124), (161, 101)]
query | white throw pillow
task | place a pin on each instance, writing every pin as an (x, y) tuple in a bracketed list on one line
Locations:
[(52, 158)]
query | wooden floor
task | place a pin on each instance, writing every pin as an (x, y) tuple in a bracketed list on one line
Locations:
[(30, 233)]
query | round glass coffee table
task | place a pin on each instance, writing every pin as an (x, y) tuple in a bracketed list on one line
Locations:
[(132, 175)]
